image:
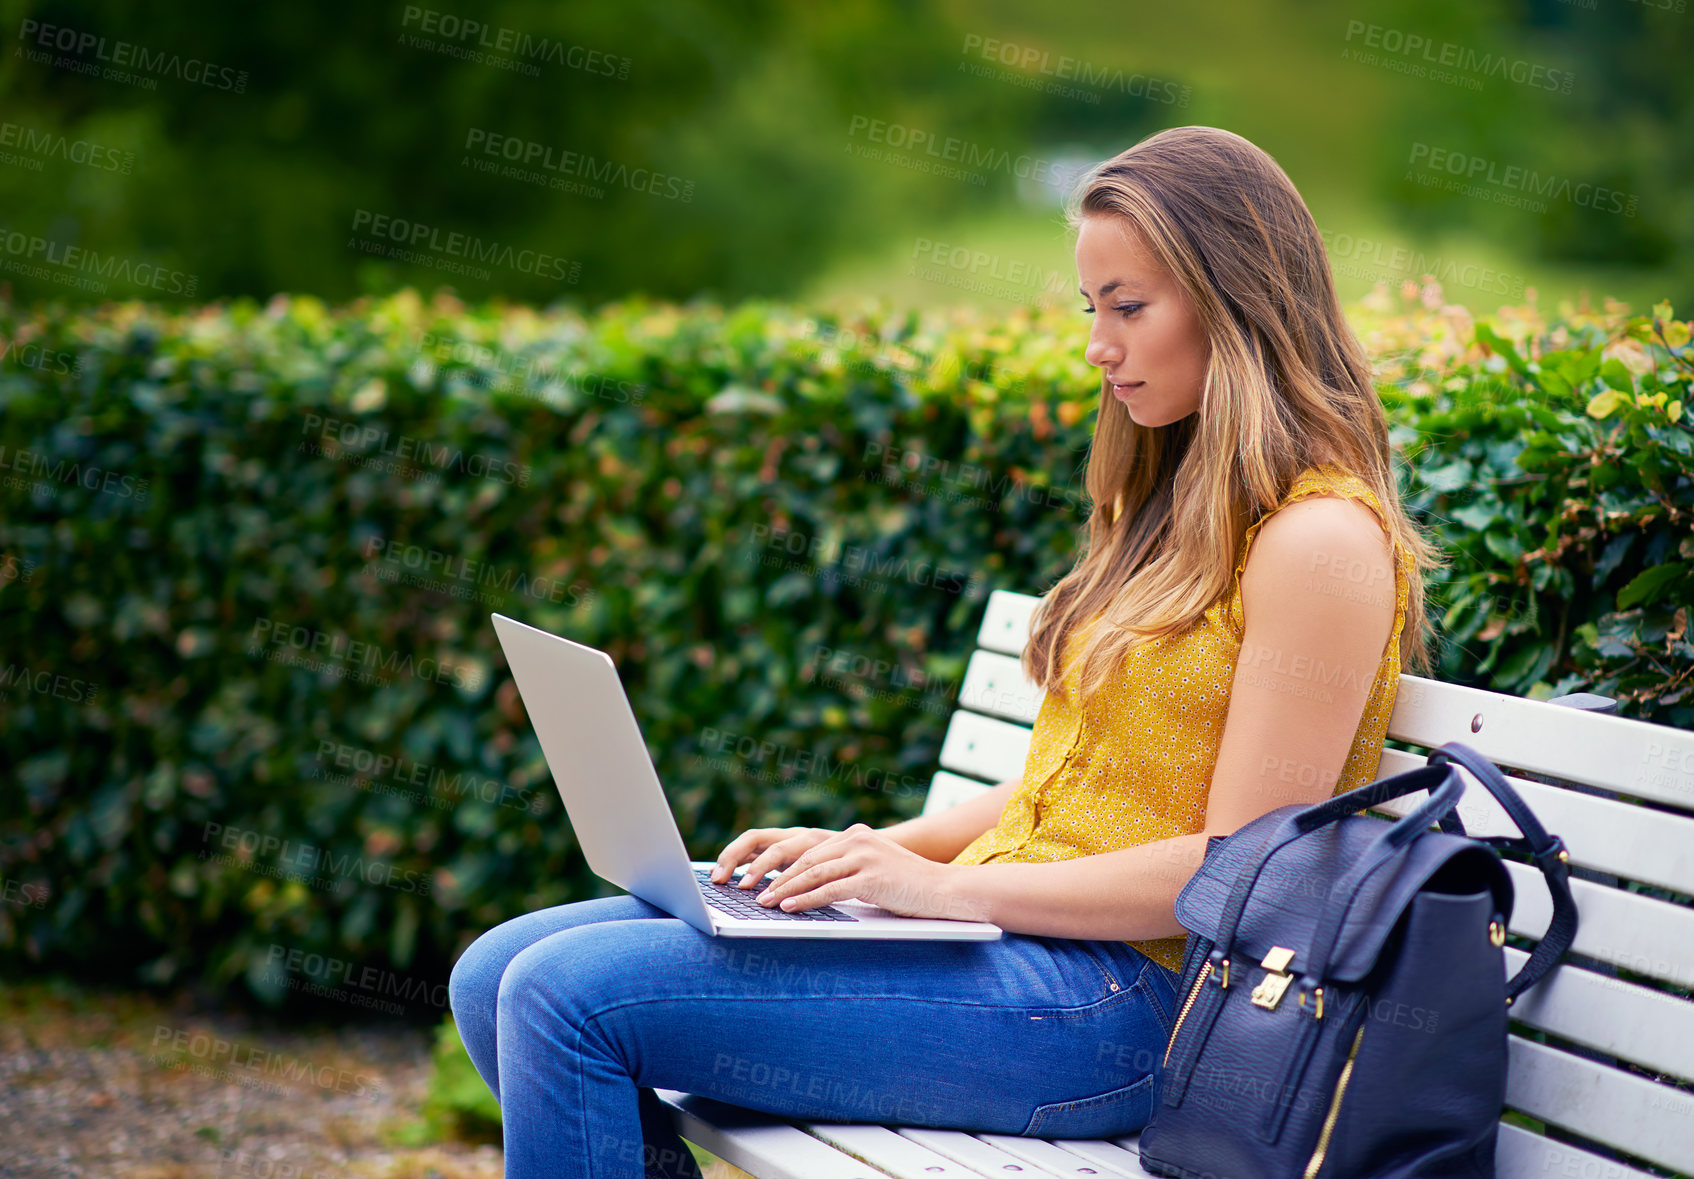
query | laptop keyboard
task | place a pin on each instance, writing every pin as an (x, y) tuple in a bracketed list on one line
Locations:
[(743, 902)]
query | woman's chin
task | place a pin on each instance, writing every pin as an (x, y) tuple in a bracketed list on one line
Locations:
[(1151, 418)]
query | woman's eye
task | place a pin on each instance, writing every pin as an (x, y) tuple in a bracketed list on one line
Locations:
[(1088, 311), (1128, 308)]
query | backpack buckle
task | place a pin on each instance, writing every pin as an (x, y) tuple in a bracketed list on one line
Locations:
[(1270, 990)]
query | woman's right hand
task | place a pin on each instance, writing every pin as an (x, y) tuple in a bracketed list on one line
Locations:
[(767, 848)]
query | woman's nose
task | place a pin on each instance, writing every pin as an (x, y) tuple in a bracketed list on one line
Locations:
[(1099, 352)]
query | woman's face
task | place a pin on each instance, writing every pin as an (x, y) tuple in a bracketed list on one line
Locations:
[(1145, 336)]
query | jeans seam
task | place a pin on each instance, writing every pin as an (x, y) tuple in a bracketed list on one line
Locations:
[(1048, 1011), (1154, 999), (1110, 1097), (1100, 963)]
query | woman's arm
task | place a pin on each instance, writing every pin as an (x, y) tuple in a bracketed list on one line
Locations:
[(1312, 646), (1310, 652), (945, 834)]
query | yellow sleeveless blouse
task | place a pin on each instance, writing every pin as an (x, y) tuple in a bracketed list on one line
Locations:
[(1135, 763)]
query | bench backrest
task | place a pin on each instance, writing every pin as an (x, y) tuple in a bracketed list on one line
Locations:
[(1599, 1046)]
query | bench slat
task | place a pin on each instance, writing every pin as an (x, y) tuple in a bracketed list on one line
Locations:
[(1606, 1104), (1627, 929), (1102, 1153), (948, 789), (972, 1151), (1641, 1025), (996, 684), (758, 1143), (1615, 753), (1648, 761), (993, 750), (1609, 836), (894, 1153), (1052, 1157), (1521, 1154), (1005, 622)]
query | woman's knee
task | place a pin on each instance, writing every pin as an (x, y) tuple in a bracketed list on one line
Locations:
[(590, 969), (475, 978), (480, 966)]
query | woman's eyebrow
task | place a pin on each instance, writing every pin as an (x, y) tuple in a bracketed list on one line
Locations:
[(1108, 288)]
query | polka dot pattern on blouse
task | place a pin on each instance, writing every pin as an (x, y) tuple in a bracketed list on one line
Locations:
[(1134, 764)]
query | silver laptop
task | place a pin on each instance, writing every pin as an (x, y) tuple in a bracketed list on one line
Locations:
[(624, 823)]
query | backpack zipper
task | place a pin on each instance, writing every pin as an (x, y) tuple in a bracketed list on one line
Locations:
[(1315, 1163), (1187, 1004)]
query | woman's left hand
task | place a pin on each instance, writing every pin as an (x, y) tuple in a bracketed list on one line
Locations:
[(861, 862)]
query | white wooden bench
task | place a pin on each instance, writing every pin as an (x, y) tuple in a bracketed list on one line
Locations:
[(1603, 1063)]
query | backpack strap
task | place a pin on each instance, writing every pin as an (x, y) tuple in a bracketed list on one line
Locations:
[(1546, 851)]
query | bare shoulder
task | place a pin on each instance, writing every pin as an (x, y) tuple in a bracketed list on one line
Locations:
[(1326, 549)]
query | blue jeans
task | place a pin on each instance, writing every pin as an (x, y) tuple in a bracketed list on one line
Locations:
[(574, 1014)]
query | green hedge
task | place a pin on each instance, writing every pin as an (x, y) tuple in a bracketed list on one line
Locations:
[(254, 709)]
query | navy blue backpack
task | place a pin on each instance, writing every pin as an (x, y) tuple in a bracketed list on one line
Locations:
[(1344, 991)]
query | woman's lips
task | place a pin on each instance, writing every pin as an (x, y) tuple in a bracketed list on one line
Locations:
[(1122, 392)]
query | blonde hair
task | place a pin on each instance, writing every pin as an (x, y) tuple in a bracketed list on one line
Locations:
[(1287, 386)]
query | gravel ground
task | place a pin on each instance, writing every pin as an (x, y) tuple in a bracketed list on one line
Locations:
[(97, 1085)]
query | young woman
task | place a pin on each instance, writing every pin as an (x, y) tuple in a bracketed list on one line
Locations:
[(1229, 643)]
